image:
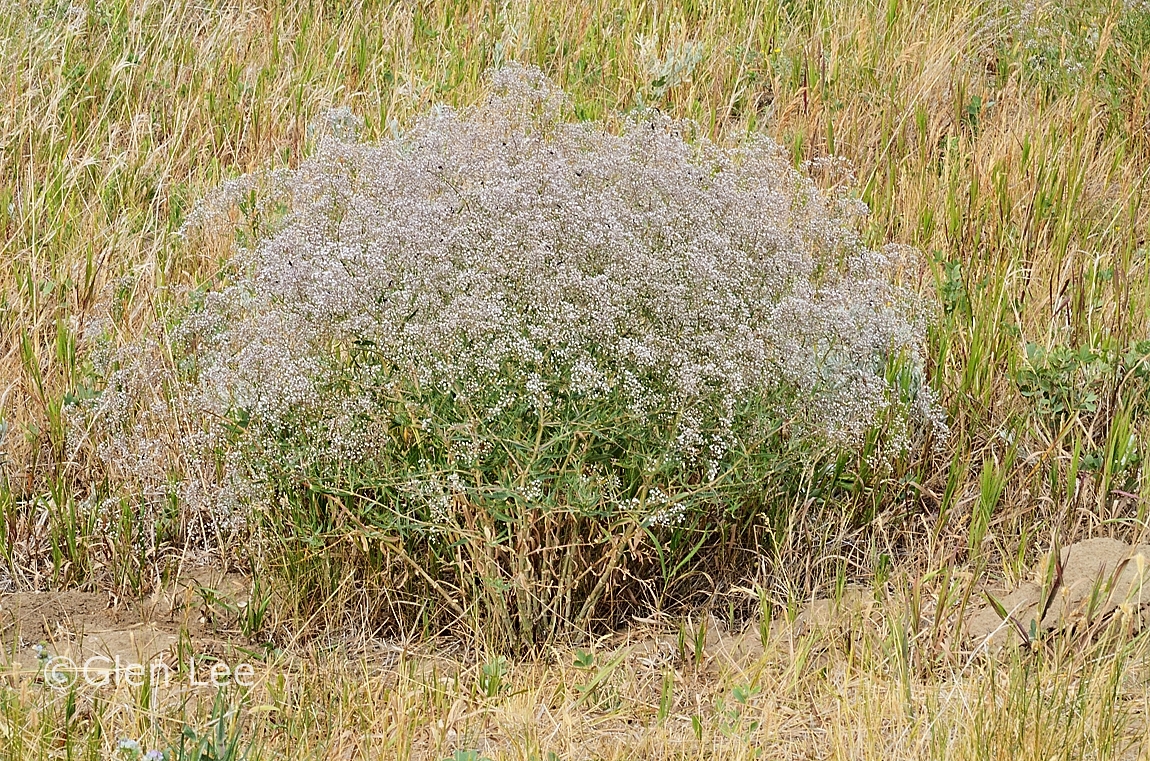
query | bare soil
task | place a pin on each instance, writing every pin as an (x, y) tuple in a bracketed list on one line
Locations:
[(80, 625), (1099, 578)]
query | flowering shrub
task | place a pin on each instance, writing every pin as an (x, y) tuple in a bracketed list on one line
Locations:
[(519, 363)]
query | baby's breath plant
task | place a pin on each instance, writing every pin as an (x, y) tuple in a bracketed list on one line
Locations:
[(525, 371)]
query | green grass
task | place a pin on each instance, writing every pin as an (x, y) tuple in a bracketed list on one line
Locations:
[(1026, 198)]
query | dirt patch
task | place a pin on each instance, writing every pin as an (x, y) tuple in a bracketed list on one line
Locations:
[(1099, 578), (717, 648), (84, 624), (855, 605), (1096, 581)]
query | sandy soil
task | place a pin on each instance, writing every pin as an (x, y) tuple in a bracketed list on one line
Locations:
[(1099, 578), (80, 625)]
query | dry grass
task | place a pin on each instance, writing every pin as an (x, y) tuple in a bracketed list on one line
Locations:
[(1013, 154), (849, 680)]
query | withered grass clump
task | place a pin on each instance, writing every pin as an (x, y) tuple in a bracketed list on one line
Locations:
[(528, 372)]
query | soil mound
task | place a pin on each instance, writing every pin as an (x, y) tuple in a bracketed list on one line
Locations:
[(1089, 583)]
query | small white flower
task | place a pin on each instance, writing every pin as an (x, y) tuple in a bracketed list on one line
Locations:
[(130, 747)]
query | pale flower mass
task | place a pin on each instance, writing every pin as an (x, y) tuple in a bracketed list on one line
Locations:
[(524, 265)]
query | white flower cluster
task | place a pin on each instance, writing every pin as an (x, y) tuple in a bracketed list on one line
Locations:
[(1066, 44), (512, 260)]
